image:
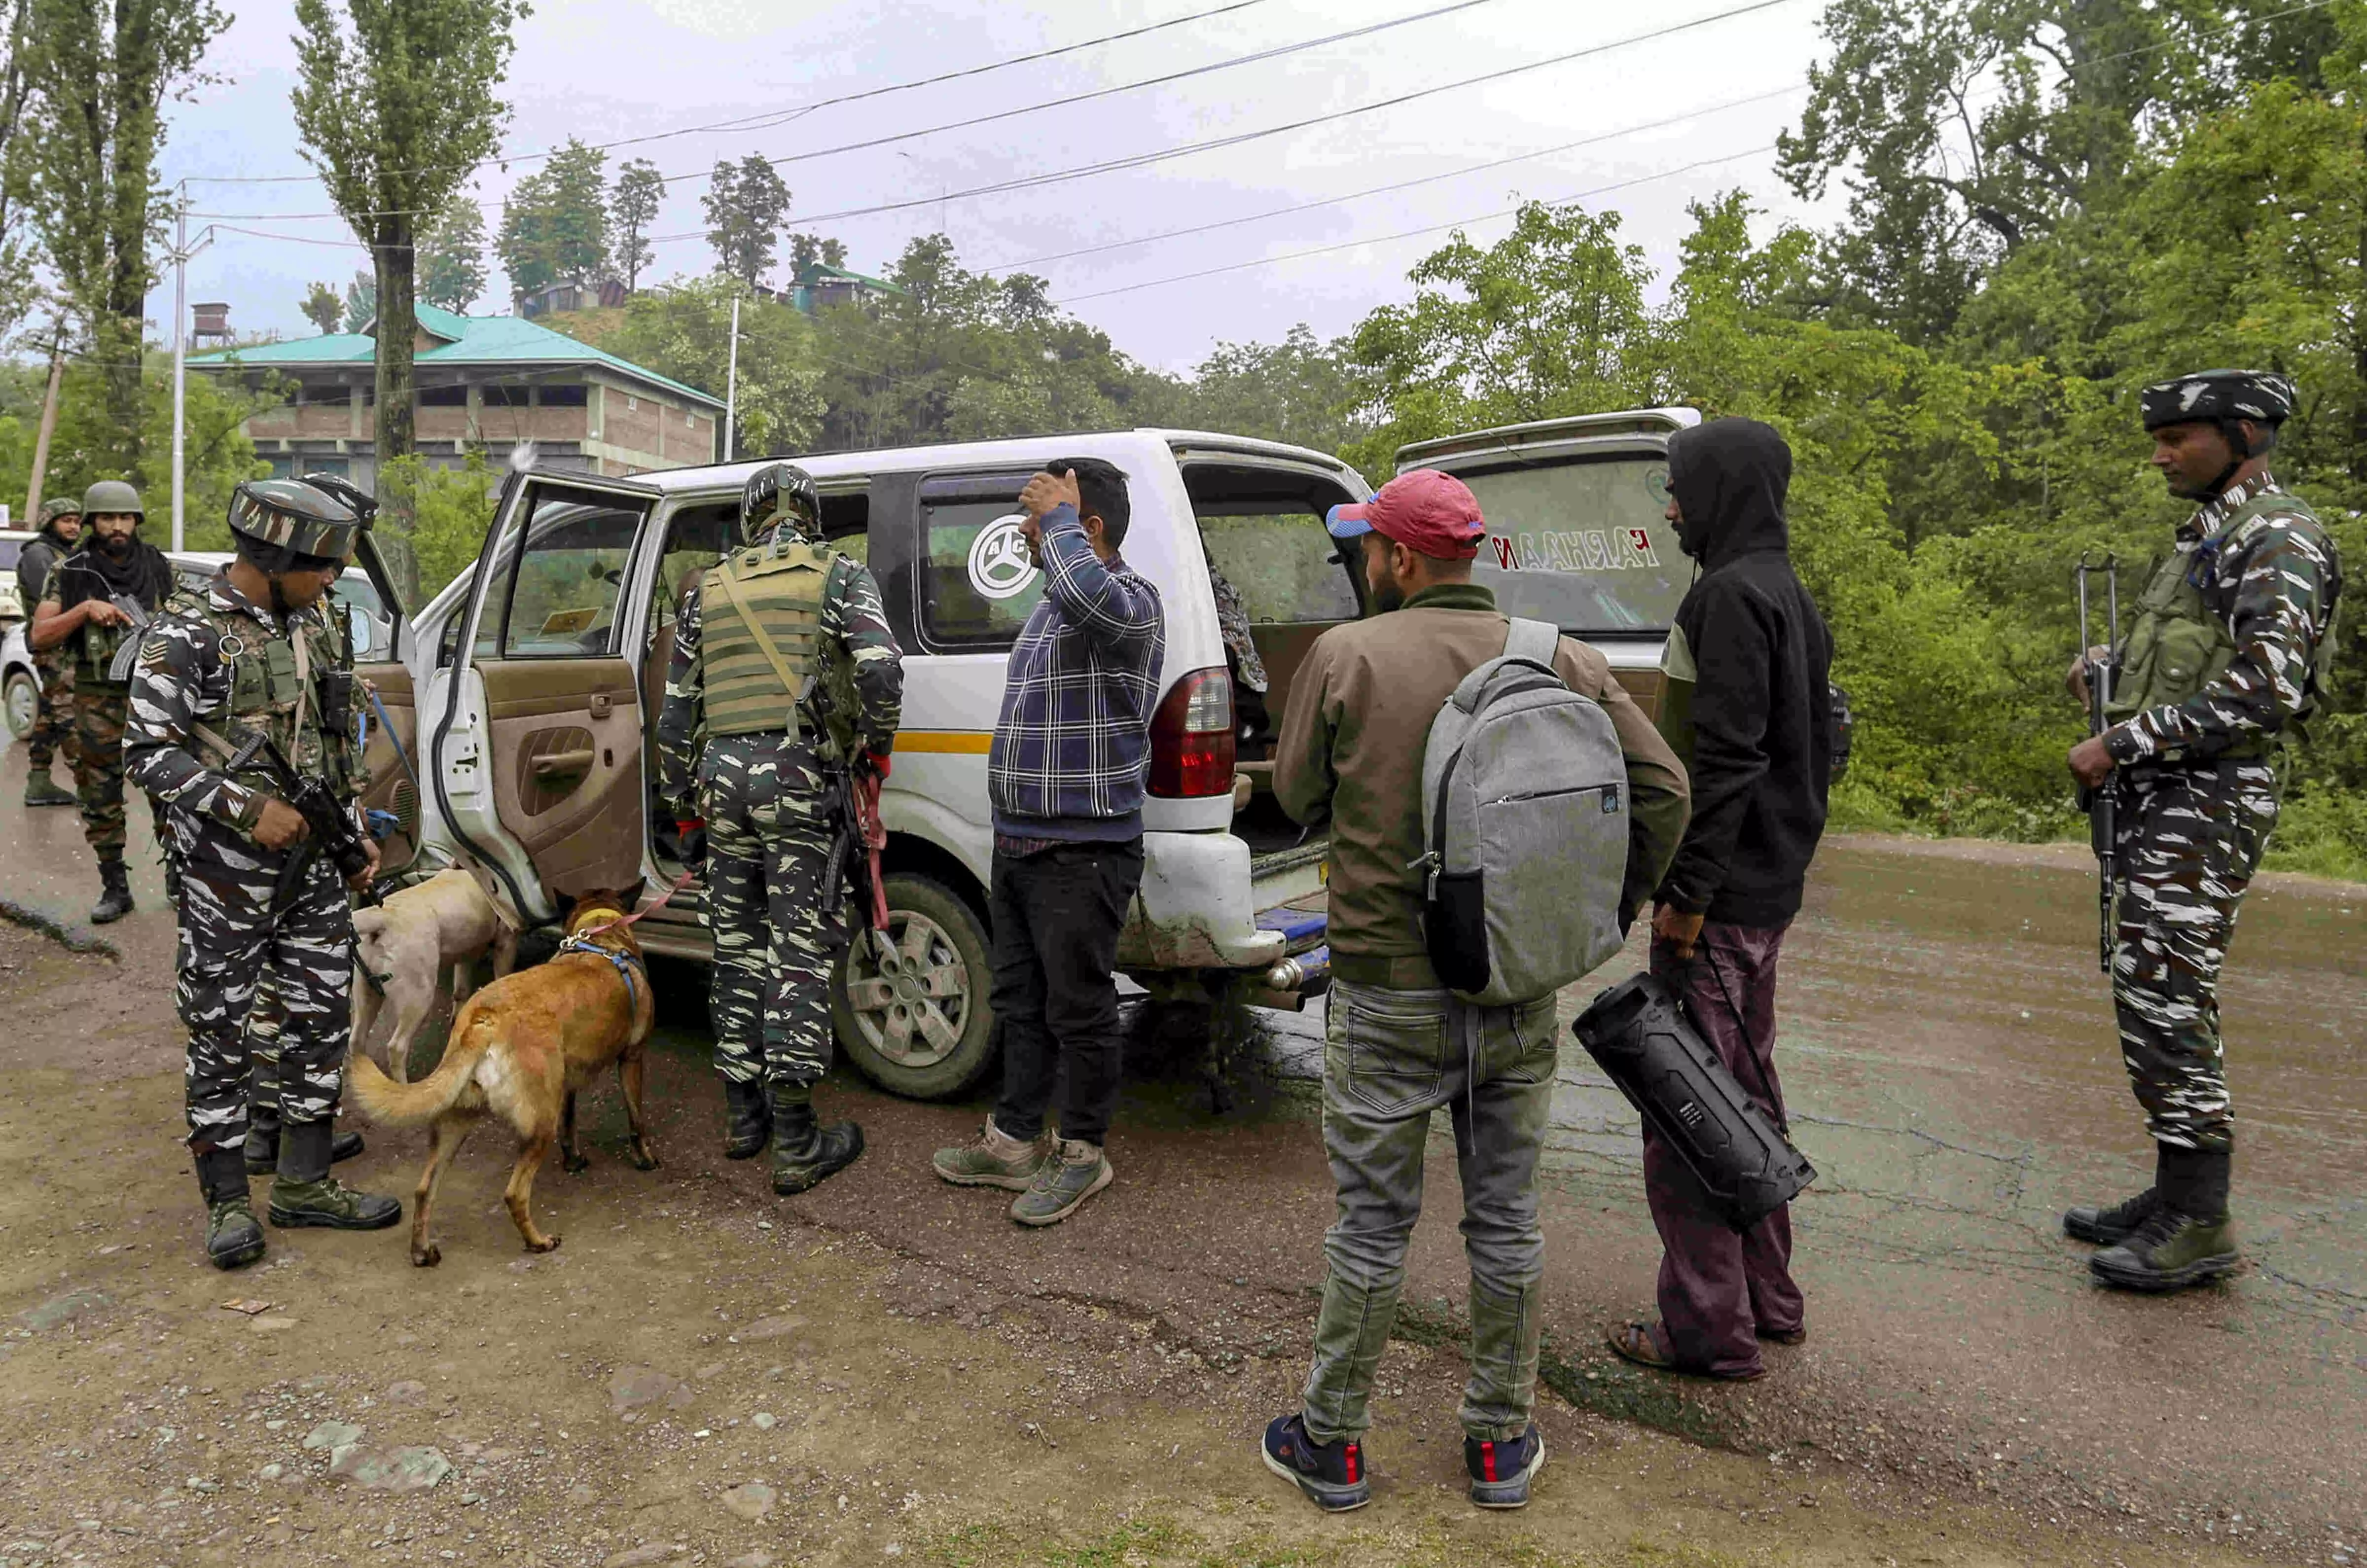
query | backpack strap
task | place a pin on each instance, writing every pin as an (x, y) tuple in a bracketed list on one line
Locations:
[(1533, 642)]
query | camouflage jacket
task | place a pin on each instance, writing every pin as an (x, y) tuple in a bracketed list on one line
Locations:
[(854, 624), (207, 661), (2275, 581)]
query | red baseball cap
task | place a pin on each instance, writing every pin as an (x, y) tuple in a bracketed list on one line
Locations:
[(1429, 513)]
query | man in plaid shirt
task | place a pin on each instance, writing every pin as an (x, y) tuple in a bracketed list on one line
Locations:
[(1066, 780)]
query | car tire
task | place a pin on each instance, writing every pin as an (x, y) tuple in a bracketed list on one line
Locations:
[(23, 702), (929, 1035)]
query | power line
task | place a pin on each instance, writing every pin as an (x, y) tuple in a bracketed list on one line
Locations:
[(1408, 233), (772, 118), (1396, 185)]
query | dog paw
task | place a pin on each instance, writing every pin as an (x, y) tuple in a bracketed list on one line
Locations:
[(644, 1160), (574, 1165), (547, 1243), (427, 1257)]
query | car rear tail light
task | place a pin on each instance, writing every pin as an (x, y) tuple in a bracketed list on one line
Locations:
[(1192, 738)]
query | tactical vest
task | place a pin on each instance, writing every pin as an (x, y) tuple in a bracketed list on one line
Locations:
[(2179, 647), (264, 689), (761, 637)]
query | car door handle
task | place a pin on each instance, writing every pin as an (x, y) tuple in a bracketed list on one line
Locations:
[(562, 764)]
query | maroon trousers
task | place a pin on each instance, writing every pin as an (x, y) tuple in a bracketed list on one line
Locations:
[(1720, 1289)]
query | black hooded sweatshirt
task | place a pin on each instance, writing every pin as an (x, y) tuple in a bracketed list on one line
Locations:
[(1762, 714)]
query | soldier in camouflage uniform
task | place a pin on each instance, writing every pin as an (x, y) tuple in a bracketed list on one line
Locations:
[(263, 913), (783, 666), (54, 718), (89, 609), (2228, 655)]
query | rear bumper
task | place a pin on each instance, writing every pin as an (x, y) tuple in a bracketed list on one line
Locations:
[(1198, 909)]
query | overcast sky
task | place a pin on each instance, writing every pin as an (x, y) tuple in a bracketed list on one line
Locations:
[(605, 70)]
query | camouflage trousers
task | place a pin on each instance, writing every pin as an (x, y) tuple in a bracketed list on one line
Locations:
[(53, 733), (767, 847), (101, 710), (2189, 841), (265, 993)]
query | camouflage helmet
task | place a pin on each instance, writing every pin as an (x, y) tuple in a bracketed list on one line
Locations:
[(60, 506), (780, 488), (291, 515), (2218, 397), (112, 496)]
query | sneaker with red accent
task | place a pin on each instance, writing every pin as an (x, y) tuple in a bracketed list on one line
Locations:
[(1500, 1473), (1332, 1474)]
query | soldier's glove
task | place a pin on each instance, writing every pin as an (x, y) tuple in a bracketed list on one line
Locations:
[(690, 841), (880, 760)]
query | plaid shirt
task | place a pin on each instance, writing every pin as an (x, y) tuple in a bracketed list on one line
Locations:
[(1073, 743)]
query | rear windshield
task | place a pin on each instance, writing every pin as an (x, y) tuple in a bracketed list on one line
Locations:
[(1581, 543)]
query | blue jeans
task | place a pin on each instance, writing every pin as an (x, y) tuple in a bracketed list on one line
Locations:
[(1391, 1057)]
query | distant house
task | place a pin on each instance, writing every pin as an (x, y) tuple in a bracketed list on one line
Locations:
[(485, 383), (606, 295), (818, 284)]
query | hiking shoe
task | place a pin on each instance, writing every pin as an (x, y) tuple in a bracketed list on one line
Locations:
[(997, 1159), (1332, 1474), (2109, 1227), (1067, 1177), (1500, 1473), (40, 791), (114, 894), (332, 1205), (2169, 1252), (234, 1238), (263, 1148)]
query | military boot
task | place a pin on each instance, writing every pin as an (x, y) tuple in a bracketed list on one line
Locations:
[(805, 1153), (40, 790), (2109, 1227), (2188, 1238), (747, 1119), (306, 1194), (263, 1144), (114, 896), (233, 1239)]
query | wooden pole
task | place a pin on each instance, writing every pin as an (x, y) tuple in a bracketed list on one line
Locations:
[(49, 424)]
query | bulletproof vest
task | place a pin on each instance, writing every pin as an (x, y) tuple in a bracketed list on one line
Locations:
[(760, 635), (263, 690), (2179, 644)]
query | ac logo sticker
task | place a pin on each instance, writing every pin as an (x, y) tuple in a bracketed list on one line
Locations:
[(999, 566)]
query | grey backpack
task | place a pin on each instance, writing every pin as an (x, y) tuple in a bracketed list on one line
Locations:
[(1524, 813)]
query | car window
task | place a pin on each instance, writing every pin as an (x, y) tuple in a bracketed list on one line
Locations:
[(978, 583), (10, 551), (561, 598), (1284, 566), (1581, 544)]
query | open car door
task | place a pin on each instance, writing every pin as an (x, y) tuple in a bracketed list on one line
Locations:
[(380, 638), (535, 745)]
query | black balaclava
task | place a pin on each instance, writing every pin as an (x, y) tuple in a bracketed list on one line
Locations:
[(1729, 477)]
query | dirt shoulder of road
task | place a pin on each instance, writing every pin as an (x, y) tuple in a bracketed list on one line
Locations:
[(706, 1375), (2000, 853)]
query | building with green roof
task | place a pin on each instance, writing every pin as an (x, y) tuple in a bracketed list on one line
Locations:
[(485, 383)]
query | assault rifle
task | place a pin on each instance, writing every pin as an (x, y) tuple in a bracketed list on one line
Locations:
[(851, 790), (333, 830), (2101, 803)]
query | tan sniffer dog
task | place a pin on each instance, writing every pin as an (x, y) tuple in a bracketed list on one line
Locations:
[(403, 947), (519, 1051)]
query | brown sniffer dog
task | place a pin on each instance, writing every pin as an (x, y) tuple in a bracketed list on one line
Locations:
[(519, 1051)]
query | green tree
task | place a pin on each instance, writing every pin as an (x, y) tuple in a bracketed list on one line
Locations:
[(684, 330), (361, 301), (633, 204), (324, 309), (451, 511), (452, 255), (396, 103), (1301, 390), (812, 249), (555, 224), (745, 204), (99, 78), (17, 284)]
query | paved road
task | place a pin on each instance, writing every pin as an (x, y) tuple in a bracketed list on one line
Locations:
[(1947, 1045)]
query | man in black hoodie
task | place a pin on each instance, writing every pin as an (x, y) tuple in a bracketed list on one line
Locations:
[(1754, 727)]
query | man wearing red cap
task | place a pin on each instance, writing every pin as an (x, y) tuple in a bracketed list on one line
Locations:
[(1399, 1043)]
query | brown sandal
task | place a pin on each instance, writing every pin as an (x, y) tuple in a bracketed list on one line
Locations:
[(1636, 1342)]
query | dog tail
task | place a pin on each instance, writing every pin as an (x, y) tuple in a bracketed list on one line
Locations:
[(415, 1104)]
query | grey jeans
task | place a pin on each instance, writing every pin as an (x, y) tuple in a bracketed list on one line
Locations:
[(1389, 1059)]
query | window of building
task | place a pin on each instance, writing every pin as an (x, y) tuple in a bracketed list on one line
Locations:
[(323, 396), (443, 397), (566, 397), (505, 397)]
